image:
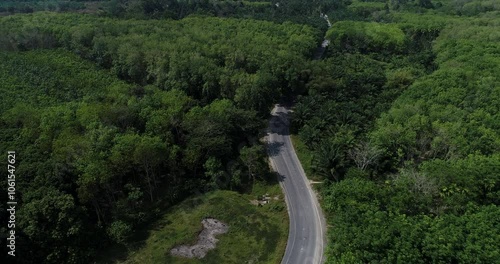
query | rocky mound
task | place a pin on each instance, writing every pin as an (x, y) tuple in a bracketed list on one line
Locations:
[(206, 240)]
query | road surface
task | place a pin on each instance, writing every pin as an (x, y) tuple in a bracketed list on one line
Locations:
[(306, 238)]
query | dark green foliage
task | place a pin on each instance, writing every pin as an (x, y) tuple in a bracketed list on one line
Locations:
[(82, 134), (305, 12), (402, 120), (345, 94), (30, 6), (184, 118), (468, 8), (55, 221)]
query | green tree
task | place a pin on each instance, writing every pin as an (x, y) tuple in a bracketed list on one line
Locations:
[(254, 158)]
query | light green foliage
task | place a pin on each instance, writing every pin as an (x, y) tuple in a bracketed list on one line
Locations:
[(366, 36), (60, 76), (423, 22), (475, 178), (469, 7), (368, 230), (208, 58), (451, 112), (119, 231), (420, 108), (255, 233), (305, 156)]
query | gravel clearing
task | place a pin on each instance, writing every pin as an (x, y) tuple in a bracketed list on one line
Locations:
[(206, 240)]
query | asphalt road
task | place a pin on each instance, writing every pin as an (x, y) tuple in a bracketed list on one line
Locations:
[(306, 238)]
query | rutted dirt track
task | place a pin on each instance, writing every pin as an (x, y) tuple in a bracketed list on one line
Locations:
[(206, 240)]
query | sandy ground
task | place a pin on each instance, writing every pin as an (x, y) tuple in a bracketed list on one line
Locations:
[(206, 240)]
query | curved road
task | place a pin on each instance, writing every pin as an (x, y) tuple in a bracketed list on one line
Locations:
[(306, 238)]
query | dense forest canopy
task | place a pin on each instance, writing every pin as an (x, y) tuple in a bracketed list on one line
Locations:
[(416, 180), (190, 100), (208, 58), (119, 114)]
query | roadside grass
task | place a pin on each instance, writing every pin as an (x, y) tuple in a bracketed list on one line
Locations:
[(257, 234), (305, 157)]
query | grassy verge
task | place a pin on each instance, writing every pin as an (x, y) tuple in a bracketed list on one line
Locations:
[(257, 234), (305, 157)]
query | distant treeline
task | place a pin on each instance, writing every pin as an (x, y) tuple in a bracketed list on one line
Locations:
[(26, 6)]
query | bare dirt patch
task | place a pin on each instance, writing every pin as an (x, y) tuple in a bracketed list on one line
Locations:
[(263, 200), (206, 240)]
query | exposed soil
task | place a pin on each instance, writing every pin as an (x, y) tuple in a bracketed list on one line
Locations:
[(206, 240)]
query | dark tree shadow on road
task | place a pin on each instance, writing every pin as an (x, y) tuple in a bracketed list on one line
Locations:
[(274, 148), (279, 124), (278, 176)]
